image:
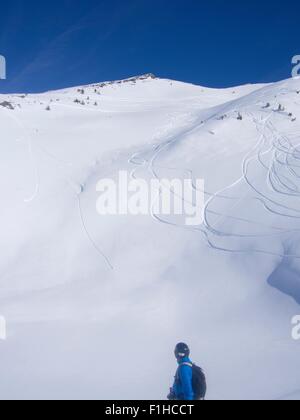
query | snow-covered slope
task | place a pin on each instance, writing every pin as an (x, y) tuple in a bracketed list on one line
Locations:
[(94, 305)]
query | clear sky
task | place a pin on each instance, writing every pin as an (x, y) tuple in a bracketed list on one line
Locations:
[(60, 43)]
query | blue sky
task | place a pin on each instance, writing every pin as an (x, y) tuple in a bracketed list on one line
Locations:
[(59, 43)]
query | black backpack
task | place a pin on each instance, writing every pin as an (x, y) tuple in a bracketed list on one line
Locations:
[(199, 381)]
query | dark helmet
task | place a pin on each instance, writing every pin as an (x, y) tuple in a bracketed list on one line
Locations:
[(182, 350)]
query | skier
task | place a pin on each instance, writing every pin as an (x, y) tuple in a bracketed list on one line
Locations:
[(190, 381)]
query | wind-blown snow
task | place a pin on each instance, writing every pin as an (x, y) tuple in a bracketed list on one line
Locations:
[(94, 305)]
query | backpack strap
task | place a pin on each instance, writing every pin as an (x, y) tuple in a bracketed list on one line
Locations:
[(186, 364), (177, 377)]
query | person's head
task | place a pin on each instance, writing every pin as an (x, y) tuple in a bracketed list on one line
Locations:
[(181, 351)]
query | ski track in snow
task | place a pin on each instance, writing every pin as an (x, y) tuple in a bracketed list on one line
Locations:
[(278, 184), (72, 185), (256, 154), (264, 197), (28, 139)]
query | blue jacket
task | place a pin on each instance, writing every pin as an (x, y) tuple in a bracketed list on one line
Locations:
[(183, 386)]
